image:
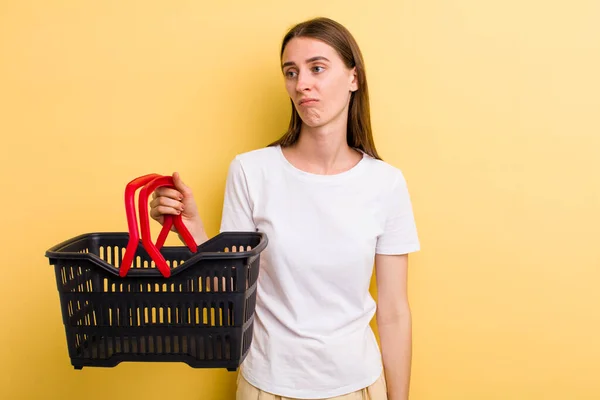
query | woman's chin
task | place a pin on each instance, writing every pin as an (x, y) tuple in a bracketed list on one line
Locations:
[(312, 121)]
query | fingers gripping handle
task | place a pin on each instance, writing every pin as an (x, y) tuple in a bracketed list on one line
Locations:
[(153, 250), (149, 183)]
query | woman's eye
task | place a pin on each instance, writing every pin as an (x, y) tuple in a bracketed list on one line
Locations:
[(290, 74), (318, 69)]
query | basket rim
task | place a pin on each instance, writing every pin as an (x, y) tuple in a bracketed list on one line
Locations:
[(56, 252)]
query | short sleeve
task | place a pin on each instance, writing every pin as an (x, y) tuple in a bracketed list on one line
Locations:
[(237, 207), (400, 232)]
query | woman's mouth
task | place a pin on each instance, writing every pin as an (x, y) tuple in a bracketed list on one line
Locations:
[(308, 101)]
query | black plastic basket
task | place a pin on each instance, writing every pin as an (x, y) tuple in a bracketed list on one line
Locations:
[(202, 314)]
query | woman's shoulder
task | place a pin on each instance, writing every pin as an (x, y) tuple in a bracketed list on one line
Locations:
[(258, 156), (255, 161), (383, 170)]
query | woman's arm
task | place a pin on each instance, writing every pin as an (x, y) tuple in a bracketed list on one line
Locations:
[(394, 323)]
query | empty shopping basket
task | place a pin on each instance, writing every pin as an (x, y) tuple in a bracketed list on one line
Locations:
[(126, 299)]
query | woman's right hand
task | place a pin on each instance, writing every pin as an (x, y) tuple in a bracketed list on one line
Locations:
[(178, 201)]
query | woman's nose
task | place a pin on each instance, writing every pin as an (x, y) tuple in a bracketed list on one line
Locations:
[(304, 81)]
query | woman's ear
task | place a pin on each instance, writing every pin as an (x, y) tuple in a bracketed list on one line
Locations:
[(353, 80)]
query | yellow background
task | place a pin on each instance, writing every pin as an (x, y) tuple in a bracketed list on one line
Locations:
[(491, 109)]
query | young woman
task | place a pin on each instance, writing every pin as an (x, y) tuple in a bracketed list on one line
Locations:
[(331, 209)]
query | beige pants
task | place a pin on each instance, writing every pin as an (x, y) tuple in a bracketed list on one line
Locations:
[(377, 391)]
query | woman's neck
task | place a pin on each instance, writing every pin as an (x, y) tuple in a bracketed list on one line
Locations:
[(323, 151)]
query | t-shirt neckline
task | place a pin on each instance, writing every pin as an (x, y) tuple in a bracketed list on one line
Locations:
[(321, 177)]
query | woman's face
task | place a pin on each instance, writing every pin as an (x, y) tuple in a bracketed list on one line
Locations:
[(317, 81)]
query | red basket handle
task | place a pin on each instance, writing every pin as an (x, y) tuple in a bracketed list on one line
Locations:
[(134, 237), (153, 250), (132, 224)]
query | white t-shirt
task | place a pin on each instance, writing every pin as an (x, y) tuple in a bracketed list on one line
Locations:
[(312, 337)]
